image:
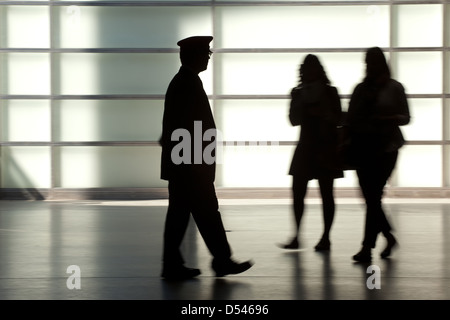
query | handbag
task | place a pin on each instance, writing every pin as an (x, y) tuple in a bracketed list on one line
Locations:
[(346, 151)]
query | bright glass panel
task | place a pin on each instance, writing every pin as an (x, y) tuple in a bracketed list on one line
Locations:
[(254, 120), (25, 73), (255, 166), (242, 73), (426, 120), (130, 27), (256, 73), (109, 120), (427, 158), (345, 70), (447, 25), (349, 180), (103, 167), (302, 26), (25, 120), (25, 27), (447, 68), (25, 167), (116, 73), (277, 73), (344, 104), (447, 165), (419, 72), (447, 119), (419, 26)]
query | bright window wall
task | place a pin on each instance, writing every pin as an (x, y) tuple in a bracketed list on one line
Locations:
[(82, 84)]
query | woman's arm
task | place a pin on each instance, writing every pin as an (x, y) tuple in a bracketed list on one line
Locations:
[(295, 110), (400, 115)]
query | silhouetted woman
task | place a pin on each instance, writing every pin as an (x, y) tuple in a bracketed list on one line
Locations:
[(378, 107), (316, 107)]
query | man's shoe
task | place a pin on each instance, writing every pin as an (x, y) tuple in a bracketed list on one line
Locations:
[(179, 273), (392, 242), (230, 267), (365, 255)]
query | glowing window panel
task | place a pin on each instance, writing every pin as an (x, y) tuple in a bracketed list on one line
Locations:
[(25, 27), (447, 67), (130, 27), (414, 67), (426, 120), (109, 120), (277, 73), (255, 120), (94, 167), (116, 73), (25, 120), (419, 26), (302, 26), (25, 167), (25, 73), (447, 119), (255, 166), (428, 158)]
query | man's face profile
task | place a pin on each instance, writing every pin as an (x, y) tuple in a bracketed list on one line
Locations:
[(195, 52)]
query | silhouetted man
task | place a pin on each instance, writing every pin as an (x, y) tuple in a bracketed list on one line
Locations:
[(188, 163)]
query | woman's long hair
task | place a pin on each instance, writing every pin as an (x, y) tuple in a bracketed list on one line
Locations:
[(312, 70), (377, 68)]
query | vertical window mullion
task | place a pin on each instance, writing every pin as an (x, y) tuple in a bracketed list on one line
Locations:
[(53, 29), (445, 86), (393, 40)]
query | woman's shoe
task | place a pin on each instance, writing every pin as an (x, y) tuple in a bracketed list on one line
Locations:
[(364, 255), (291, 245), (392, 242), (323, 245)]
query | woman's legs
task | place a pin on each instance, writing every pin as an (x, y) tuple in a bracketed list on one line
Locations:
[(368, 178), (328, 205), (299, 188), (372, 179)]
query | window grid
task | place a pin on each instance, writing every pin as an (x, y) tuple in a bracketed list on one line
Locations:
[(53, 97)]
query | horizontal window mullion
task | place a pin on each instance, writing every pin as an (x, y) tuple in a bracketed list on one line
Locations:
[(89, 50), (162, 96), (82, 97), (107, 3), (156, 143), (79, 143), (209, 3), (218, 50)]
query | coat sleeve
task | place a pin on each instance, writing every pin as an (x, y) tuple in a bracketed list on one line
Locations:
[(336, 107), (403, 108), (295, 110), (357, 116)]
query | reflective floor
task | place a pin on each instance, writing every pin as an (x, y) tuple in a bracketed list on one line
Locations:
[(97, 250)]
